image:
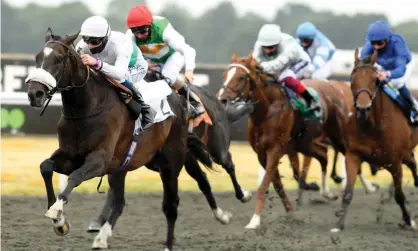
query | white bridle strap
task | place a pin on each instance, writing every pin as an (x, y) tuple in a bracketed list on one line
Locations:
[(240, 66)]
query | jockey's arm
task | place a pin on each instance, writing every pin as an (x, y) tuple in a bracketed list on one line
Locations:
[(177, 42), (290, 52), (367, 50), (400, 68), (123, 51)]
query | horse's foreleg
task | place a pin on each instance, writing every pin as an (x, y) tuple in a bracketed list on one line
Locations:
[(294, 163), (92, 167), (241, 194), (412, 165), (352, 165), (117, 186), (58, 162), (396, 171), (272, 160), (194, 170)]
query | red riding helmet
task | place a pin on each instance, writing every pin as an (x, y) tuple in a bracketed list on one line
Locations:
[(139, 16)]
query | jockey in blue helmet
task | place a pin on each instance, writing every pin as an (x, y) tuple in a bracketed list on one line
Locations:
[(395, 62), (319, 48)]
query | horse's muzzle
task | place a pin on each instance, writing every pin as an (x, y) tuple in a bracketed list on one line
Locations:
[(235, 111), (362, 112), (37, 98)]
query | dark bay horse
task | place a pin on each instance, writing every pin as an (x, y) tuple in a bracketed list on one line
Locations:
[(378, 133), (274, 128), (217, 136), (95, 132)]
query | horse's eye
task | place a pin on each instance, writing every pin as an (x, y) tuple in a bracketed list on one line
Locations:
[(241, 79), (59, 59)]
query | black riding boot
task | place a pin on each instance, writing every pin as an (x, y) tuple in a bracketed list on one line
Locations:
[(148, 114), (194, 100)]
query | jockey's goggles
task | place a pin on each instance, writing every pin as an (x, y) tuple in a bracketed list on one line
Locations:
[(306, 40), (140, 30), (93, 40), (378, 42), (271, 47)]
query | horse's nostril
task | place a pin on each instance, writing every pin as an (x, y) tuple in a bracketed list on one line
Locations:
[(39, 94), (223, 101)]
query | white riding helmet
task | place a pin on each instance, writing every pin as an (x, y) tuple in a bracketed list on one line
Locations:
[(95, 26), (269, 34)]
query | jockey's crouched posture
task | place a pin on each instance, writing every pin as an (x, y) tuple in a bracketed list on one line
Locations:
[(113, 54), (319, 48), (394, 59), (280, 52), (163, 46)]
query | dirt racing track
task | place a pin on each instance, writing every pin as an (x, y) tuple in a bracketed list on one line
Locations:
[(142, 225)]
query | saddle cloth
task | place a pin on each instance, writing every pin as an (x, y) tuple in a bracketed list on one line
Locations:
[(155, 95)]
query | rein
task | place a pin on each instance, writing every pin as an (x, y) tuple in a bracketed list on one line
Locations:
[(70, 53), (253, 86)]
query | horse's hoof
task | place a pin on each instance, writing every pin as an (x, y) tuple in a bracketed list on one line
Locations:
[(330, 196), (62, 229), (222, 216), (94, 227), (310, 187), (99, 245), (254, 223), (247, 196), (335, 230), (411, 226), (337, 179)]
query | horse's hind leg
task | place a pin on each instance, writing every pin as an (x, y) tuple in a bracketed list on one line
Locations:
[(117, 188), (194, 170), (241, 194), (95, 225)]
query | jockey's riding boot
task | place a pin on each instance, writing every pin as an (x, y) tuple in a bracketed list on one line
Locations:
[(413, 105), (144, 109), (194, 100), (310, 101), (148, 114)]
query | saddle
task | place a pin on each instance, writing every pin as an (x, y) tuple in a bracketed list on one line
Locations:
[(124, 93), (155, 75), (299, 104)]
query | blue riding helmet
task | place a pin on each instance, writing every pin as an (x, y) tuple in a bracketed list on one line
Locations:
[(378, 31), (306, 30)]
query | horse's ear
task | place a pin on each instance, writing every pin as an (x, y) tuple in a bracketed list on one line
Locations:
[(69, 40), (356, 58), (373, 58), (234, 56), (48, 34)]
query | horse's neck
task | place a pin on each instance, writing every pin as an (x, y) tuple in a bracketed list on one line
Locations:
[(84, 99), (384, 111), (264, 98)]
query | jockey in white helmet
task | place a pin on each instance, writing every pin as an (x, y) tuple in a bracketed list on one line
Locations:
[(114, 54), (280, 52)]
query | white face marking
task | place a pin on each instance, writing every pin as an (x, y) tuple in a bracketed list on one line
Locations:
[(47, 52), (229, 77)]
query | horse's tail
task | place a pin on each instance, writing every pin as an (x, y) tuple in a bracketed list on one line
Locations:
[(199, 150)]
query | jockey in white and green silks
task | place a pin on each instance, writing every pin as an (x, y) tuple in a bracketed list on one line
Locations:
[(164, 47)]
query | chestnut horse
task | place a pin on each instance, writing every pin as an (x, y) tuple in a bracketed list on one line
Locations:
[(379, 133), (276, 129)]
